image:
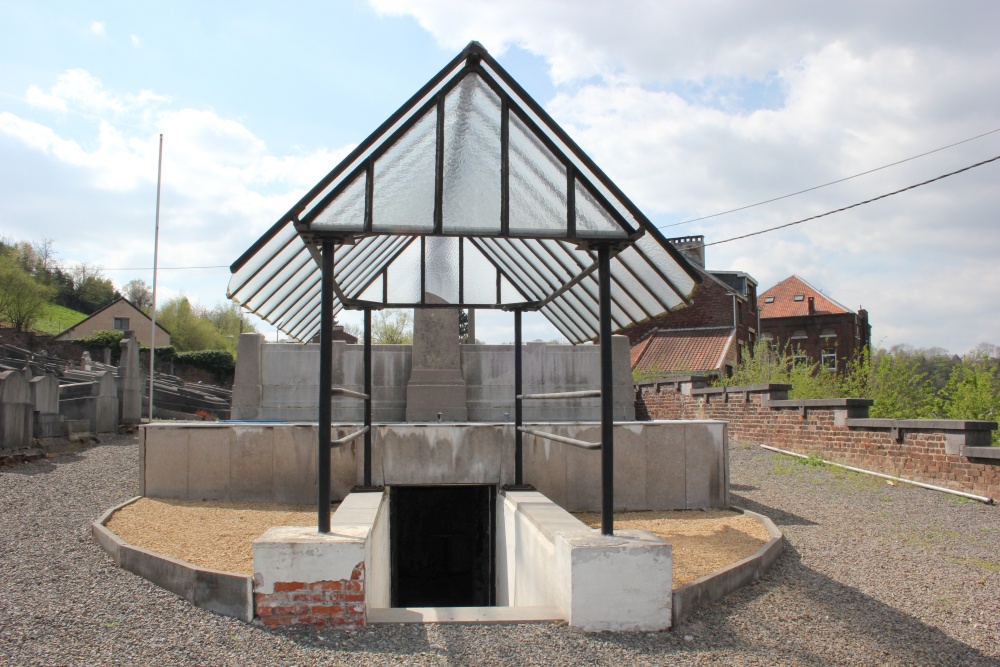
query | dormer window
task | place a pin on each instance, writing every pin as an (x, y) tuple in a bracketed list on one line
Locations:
[(768, 299), (800, 297)]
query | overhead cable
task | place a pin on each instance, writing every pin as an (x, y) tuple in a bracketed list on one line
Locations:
[(839, 180), (861, 203)]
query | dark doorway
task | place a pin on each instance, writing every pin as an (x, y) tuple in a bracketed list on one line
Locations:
[(442, 550)]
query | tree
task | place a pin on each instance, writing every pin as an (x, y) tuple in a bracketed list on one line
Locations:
[(893, 380), (189, 329), (21, 296), (91, 290), (973, 390), (392, 327), (138, 292)]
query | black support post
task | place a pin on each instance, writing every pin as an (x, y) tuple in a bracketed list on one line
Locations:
[(607, 398), (325, 387), (518, 390), (368, 401)]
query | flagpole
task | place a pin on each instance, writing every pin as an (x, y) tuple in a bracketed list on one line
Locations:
[(156, 254)]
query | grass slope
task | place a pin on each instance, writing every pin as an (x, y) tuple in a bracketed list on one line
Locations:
[(56, 319)]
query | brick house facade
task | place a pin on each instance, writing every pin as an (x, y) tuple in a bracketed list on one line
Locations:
[(797, 317)]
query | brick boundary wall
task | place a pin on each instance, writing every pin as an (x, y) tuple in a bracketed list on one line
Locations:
[(955, 454), (318, 603)]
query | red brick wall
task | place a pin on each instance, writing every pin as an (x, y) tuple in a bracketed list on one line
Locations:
[(921, 455), (318, 603), (712, 307)]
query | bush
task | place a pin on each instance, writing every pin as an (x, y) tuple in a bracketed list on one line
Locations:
[(164, 353), (220, 362)]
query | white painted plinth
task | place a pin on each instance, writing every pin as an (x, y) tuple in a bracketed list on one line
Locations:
[(302, 554)]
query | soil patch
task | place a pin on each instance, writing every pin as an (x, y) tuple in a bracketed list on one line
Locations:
[(702, 541), (219, 535), (208, 533)]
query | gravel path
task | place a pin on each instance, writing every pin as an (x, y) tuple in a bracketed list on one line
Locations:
[(871, 575)]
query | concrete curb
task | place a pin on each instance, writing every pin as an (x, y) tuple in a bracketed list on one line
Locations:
[(714, 586), (220, 592)]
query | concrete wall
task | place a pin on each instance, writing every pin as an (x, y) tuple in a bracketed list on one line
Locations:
[(48, 423), (95, 401), (658, 465), (281, 381), (953, 453), (378, 561), (620, 582)]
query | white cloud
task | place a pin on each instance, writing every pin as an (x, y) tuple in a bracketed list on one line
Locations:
[(221, 185), (97, 27), (136, 42)]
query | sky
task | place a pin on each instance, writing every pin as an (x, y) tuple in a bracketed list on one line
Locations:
[(693, 109)]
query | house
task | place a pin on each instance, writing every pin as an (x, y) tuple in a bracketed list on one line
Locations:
[(704, 338), (119, 315), (797, 317)]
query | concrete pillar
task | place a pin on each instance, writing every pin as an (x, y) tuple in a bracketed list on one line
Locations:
[(15, 411), (130, 384), (436, 382), (247, 381)]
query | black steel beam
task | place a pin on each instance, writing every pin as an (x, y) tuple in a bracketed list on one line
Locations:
[(607, 398), (368, 400), (518, 391), (325, 385)]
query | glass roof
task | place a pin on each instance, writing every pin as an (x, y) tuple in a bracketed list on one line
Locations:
[(470, 192)]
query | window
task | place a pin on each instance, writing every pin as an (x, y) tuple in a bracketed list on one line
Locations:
[(829, 359), (768, 299), (799, 357), (827, 333), (799, 334), (121, 324), (800, 297)]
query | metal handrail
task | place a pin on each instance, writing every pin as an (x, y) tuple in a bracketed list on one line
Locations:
[(582, 444), (340, 391), (562, 394), (347, 438)]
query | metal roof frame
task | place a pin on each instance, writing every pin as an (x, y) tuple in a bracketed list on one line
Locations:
[(470, 177)]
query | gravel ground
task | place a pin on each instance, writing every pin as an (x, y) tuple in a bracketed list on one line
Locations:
[(872, 575)]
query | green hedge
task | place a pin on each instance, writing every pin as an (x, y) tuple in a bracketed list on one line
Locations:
[(101, 339), (220, 362)]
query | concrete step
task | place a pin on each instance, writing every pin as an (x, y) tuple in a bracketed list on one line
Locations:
[(465, 615)]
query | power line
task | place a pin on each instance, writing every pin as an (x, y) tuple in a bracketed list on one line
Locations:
[(839, 180), (862, 203), (165, 268)]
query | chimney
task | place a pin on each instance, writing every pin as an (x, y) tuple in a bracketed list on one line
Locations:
[(692, 247), (812, 305)]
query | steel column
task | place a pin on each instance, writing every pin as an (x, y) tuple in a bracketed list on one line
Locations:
[(607, 399), (368, 401), (325, 387), (518, 452)]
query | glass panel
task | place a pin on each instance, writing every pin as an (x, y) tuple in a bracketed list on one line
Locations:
[(537, 185), (296, 298), (404, 275), (666, 264), (374, 291), (507, 292), (512, 269), (471, 200), (442, 267), (260, 287), (592, 220), (480, 277), (283, 286), (404, 181), (563, 148), (347, 211), (375, 259), (543, 252), (634, 292), (383, 137), (574, 333), (243, 283)]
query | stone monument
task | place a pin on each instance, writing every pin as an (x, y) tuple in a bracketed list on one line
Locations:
[(436, 389)]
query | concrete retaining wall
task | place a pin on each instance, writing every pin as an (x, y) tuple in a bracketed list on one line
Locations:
[(658, 465), (281, 381), (222, 592)]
